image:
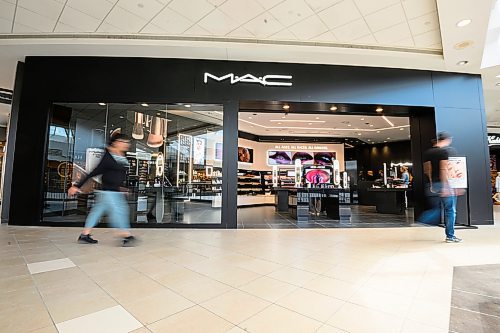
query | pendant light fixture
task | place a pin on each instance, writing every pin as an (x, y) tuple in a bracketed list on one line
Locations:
[(155, 137), (138, 130)]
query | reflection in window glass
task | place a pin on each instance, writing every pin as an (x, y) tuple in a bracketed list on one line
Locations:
[(175, 160)]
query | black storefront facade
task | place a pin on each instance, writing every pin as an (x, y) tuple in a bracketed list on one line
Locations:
[(434, 101)]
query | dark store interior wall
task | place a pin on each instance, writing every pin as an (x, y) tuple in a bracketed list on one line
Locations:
[(372, 157)]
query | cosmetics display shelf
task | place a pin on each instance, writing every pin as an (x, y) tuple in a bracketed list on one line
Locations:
[(253, 182)]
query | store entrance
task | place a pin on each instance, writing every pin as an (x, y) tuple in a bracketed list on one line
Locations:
[(312, 165)]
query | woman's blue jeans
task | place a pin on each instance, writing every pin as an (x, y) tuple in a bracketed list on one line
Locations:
[(114, 205), (449, 206)]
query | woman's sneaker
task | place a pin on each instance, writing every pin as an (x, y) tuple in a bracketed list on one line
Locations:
[(453, 240), (129, 241), (86, 239)]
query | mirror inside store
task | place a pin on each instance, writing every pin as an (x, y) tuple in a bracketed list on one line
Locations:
[(175, 160), (324, 170)]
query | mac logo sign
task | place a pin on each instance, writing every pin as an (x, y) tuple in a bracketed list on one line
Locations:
[(266, 80)]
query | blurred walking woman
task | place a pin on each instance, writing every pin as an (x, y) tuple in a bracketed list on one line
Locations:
[(111, 199)]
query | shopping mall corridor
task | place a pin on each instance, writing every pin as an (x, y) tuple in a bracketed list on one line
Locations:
[(314, 280)]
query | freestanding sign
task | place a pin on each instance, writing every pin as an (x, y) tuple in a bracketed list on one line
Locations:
[(457, 172)]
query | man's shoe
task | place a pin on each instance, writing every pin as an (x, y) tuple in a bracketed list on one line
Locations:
[(453, 240), (129, 241), (86, 239)]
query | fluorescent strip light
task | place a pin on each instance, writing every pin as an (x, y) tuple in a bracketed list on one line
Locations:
[(388, 121)]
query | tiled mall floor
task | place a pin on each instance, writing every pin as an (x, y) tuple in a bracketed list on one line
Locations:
[(283, 280)]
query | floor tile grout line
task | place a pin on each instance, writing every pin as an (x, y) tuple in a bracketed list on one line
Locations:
[(473, 293), (477, 312)]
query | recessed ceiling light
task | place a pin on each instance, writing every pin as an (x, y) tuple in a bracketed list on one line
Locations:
[(379, 109), (497, 84), (333, 108), (349, 125), (371, 125), (102, 104), (462, 63), (362, 119), (317, 118), (286, 107), (144, 104), (378, 131), (158, 113), (309, 123), (279, 123), (359, 133), (385, 141), (401, 129), (388, 138), (283, 117), (249, 117), (463, 23), (121, 117), (187, 105)]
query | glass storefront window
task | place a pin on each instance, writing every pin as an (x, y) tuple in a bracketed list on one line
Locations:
[(175, 160)]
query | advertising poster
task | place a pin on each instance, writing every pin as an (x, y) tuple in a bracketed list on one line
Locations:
[(279, 157), (318, 175), (198, 150), (245, 155), (184, 148), (457, 172), (304, 157), (324, 158), (218, 151)]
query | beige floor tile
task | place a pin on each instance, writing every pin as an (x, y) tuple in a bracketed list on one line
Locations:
[(202, 290), (260, 266), (280, 320), (330, 329), (132, 290), (82, 302), (141, 330), (332, 287), (348, 274), (293, 276), (192, 320), (103, 268), (235, 276), (50, 329), (55, 277), (19, 298), (311, 265), (16, 283), (157, 306), (24, 319), (112, 320), (435, 314), (268, 288), (357, 319), (311, 304), (236, 329), (14, 270), (382, 301), (235, 306), (411, 326), (44, 256)]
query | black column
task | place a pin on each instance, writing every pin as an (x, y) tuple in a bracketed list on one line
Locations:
[(422, 131), (230, 165)]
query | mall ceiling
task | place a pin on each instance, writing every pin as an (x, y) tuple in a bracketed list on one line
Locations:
[(418, 34)]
